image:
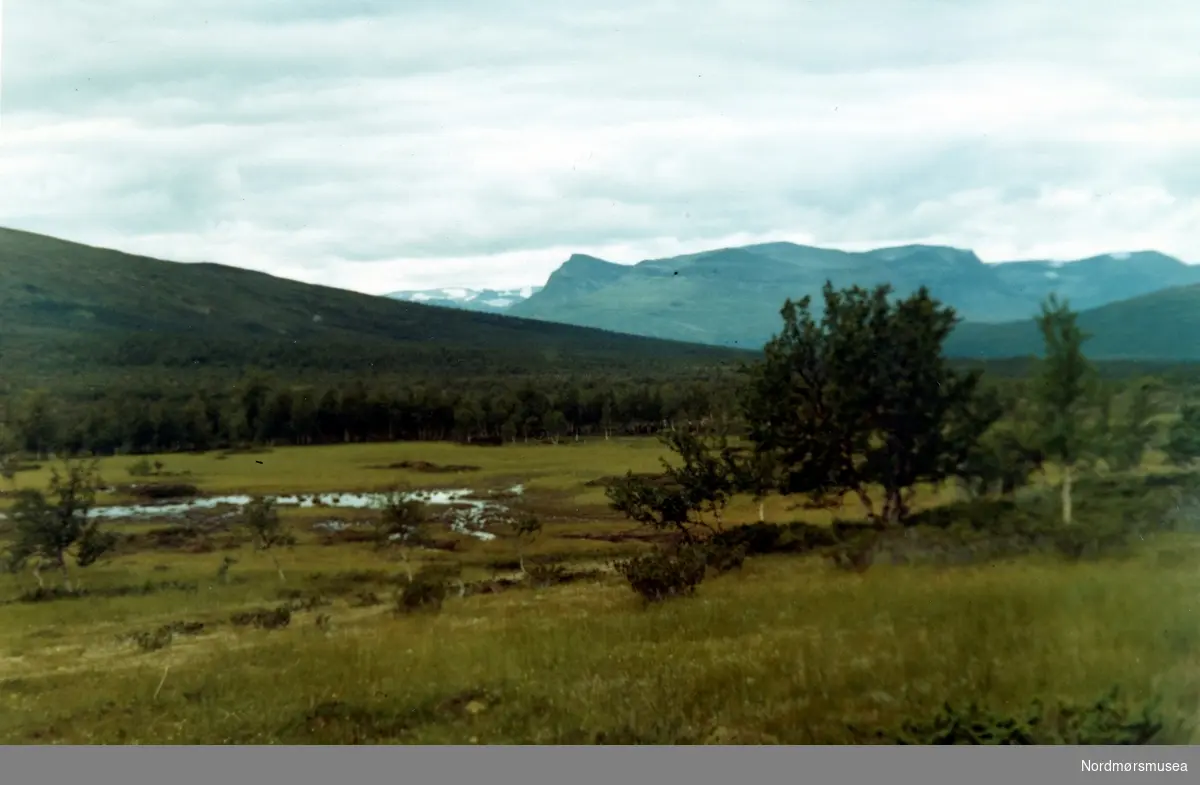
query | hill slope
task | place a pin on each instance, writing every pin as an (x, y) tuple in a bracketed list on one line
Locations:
[(732, 296), (1164, 325), (67, 308)]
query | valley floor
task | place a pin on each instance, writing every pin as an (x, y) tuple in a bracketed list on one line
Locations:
[(788, 649)]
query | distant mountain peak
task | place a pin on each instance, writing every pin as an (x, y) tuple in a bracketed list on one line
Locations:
[(582, 261), (487, 300), (944, 253)]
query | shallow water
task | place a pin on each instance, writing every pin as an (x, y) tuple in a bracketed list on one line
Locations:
[(470, 520), (358, 501)]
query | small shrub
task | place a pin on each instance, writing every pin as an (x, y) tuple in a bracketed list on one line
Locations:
[(167, 490), (765, 538), (184, 627), (543, 575), (1178, 557), (160, 638), (263, 618), (495, 586), (722, 558), (1091, 539), (140, 468), (306, 603), (660, 574), (854, 556), (154, 640), (504, 564), (52, 593), (365, 599), (1106, 722), (426, 591)]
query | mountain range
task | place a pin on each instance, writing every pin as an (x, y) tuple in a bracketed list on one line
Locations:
[(79, 316), (732, 296)]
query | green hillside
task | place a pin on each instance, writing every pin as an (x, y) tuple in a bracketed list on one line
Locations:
[(1164, 325), (71, 311)]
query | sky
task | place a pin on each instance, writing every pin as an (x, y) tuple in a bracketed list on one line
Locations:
[(379, 146)]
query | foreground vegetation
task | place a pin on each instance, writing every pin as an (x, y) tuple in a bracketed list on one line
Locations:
[(795, 647), (868, 544)]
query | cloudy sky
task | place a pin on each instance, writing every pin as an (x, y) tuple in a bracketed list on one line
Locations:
[(419, 143)]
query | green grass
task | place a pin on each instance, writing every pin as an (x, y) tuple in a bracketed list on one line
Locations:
[(562, 469), (787, 650)]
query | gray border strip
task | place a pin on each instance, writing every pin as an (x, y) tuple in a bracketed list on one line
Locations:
[(586, 765)]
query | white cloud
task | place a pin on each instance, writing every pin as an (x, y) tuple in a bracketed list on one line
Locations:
[(355, 145)]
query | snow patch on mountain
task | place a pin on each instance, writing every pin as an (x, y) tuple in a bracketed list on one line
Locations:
[(470, 299)]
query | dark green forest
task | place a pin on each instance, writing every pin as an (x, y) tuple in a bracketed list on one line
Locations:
[(164, 410)]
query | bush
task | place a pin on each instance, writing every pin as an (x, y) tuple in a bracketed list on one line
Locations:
[(365, 599), (723, 558), (160, 638), (1106, 722), (264, 618), (543, 575), (140, 468), (165, 490), (154, 640), (52, 593), (856, 555), (659, 574), (309, 602), (795, 537), (426, 591)]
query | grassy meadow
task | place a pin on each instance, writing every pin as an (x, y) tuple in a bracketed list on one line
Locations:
[(788, 649)]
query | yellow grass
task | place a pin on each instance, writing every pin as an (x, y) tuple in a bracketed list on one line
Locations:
[(789, 650)]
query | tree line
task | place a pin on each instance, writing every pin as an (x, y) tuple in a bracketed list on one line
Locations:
[(260, 411)]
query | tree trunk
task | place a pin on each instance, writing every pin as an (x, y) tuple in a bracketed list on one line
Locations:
[(867, 504), (894, 508), (37, 575), (761, 511), (1066, 495), (278, 569), (62, 566)]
